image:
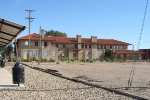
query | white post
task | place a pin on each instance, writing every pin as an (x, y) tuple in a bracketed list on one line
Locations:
[(40, 45)]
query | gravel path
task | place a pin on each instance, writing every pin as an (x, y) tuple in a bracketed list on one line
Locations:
[(42, 86), (112, 75)]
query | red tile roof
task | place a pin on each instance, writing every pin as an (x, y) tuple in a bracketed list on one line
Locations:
[(33, 36), (127, 52), (66, 40), (111, 41)]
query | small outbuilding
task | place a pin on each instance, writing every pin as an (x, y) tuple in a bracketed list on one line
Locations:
[(127, 55)]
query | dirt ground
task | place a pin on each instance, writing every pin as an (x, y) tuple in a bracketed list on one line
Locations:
[(108, 74)]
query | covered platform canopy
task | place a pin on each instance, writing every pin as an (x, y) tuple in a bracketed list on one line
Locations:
[(9, 31)]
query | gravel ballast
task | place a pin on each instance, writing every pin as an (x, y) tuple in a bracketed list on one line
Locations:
[(42, 86)]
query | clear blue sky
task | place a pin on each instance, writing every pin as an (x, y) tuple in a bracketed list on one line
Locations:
[(108, 19)]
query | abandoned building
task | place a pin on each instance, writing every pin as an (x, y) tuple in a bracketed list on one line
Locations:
[(73, 48), (146, 54)]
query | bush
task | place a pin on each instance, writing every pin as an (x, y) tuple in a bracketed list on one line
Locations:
[(25, 60), (72, 60), (89, 60), (57, 62), (109, 54), (51, 60), (44, 60), (63, 58), (101, 59)]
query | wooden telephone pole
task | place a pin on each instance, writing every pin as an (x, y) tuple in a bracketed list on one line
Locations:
[(30, 19)]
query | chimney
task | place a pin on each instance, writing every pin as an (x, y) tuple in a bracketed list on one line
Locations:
[(78, 38), (94, 39)]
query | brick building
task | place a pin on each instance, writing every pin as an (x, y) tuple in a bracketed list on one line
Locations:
[(146, 54), (73, 48), (128, 54)]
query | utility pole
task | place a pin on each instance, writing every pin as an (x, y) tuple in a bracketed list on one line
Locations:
[(30, 19), (40, 48)]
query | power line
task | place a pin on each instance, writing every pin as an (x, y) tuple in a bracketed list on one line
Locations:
[(130, 80), (143, 22), (30, 19)]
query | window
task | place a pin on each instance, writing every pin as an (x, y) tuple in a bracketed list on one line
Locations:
[(101, 47), (64, 46), (53, 53), (33, 53), (82, 46), (124, 47), (36, 43), (45, 44), (110, 46), (44, 53), (85, 46), (120, 47), (76, 46), (89, 46), (26, 43), (74, 54), (57, 45), (104, 46), (116, 47)]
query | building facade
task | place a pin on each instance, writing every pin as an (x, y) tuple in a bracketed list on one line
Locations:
[(146, 54), (72, 48), (127, 55)]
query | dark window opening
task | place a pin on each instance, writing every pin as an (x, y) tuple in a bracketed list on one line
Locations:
[(36, 43), (64, 46), (101, 47), (74, 54), (76, 46), (89, 46), (85, 46), (104, 46), (45, 44), (82, 46), (110, 46), (57, 45)]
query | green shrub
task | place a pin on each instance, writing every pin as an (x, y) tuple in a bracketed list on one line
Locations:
[(51, 60), (72, 60), (89, 60), (57, 62), (63, 58), (44, 60)]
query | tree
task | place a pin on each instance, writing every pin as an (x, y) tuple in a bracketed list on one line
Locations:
[(55, 33), (109, 54)]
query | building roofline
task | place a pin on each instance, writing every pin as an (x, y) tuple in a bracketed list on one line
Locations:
[(66, 40)]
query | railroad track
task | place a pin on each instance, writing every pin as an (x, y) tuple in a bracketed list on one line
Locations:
[(55, 73)]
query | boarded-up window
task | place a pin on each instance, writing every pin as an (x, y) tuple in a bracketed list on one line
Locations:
[(44, 53), (53, 53), (26, 43), (33, 52)]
